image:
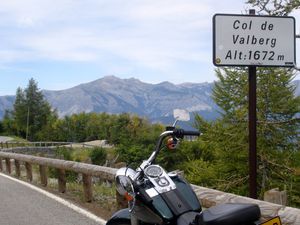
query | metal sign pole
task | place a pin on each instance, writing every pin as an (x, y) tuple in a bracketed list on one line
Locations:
[(252, 133), (252, 129)]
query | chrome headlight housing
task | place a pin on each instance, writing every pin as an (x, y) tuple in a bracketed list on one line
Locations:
[(124, 177)]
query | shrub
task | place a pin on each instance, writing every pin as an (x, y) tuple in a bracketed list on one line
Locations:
[(64, 153), (98, 156)]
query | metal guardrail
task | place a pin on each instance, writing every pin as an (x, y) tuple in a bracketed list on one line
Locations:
[(208, 197)]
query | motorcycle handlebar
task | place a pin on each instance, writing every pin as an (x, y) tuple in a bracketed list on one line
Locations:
[(180, 133)]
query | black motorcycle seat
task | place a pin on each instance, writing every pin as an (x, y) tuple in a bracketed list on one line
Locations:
[(229, 214)]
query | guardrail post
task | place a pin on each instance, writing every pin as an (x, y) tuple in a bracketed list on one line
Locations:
[(2, 145), (276, 196), (87, 187), (43, 175), (28, 167), (6, 144), (17, 166), (62, 180), (8, 165), (1, 166)]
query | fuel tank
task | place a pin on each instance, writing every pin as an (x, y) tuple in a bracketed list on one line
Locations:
[(165, 207)]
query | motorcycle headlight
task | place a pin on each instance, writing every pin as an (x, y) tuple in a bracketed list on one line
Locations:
[(124, 177)]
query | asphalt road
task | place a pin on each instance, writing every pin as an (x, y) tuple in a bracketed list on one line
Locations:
[(4, 139), (21, 205)]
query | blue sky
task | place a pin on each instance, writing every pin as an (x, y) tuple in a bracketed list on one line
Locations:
[(62, 43)]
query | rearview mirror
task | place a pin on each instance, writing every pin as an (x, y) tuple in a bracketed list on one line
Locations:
[(181, 114)]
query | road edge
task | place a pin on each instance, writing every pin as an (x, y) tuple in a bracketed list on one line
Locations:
[(59, 199)]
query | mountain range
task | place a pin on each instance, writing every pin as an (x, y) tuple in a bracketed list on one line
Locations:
[(114, 95)]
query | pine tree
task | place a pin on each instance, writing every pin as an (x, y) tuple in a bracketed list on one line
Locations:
[(275, 7), (20, 113), (277, 129), (31, 111)]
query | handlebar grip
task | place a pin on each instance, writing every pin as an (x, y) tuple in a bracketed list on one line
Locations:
[(180, 133), (191, 133)]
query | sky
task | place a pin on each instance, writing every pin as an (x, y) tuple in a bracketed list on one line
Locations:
[(63, 43)]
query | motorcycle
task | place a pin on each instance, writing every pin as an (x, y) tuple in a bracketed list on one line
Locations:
[(157, 197)]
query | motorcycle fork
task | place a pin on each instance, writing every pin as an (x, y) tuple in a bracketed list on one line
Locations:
[(134, 220)]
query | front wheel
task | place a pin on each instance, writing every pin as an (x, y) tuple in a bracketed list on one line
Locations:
[(121, 217), (117, 223)]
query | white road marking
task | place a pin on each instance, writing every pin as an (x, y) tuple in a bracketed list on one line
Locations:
[(60, 200)]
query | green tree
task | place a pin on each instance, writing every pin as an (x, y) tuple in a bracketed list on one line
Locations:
[(277, 131), (8, 123), (118, 131), (98, 156), (275, 7), (31, 111), (227, 165), (48, 131), (1, 127), (136, 139), (20, 112), (77, 127)]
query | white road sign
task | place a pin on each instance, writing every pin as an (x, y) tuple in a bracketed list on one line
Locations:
[(251, 40)]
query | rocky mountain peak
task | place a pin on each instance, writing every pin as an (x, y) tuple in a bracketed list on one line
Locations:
[(114, 95)]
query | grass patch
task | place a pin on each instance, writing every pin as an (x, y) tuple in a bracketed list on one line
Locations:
[(81, 155), (104, 195)]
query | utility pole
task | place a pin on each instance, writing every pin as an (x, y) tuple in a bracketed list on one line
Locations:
[(27, 126)]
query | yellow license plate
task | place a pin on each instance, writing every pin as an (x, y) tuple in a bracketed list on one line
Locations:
[(274, 221)]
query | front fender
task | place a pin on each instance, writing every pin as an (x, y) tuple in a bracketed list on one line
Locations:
[(120, 217)]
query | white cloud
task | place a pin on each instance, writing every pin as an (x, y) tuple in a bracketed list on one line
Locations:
[(157, 35), (153, 33)]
